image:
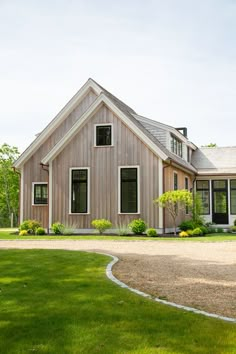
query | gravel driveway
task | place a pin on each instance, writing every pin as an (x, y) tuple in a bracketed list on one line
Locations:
[(197, 274)]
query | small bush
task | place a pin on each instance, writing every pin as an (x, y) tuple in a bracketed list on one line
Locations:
[(211, 230), (190, 232), (23, 233), (101, 225), (138, 226), (40, 231), (122, 230), (219, 230), (187, 225), (151, 232), (233, 228), (30, 226), (204, 230), (197, 232), (235, 222), (183, 234), (58, 228)]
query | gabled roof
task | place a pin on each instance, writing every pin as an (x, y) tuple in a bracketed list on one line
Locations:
[(135, 122), (51, 127), (215, 160)]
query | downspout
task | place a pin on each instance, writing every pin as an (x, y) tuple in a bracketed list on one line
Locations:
[(163, 178), (46, 168), (16, 171)]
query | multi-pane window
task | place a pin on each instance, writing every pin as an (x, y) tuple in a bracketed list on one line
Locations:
[(79, 191), (103, 135), (128, 190), (186, 186), (176, 146), (40, 193), (202, 188), (175, 181), (233, 196)]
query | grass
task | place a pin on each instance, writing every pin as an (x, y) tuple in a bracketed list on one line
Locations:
[(61, 302), (7, 234)]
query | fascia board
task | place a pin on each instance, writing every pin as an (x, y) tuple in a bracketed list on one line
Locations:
[(92, 110), (69, 107)]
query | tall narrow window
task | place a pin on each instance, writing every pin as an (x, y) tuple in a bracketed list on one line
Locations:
[(175, 181), (128, 190), (103, 135), (204, 195), (79, 191), (186, 186), (233, 196), (40, 193)]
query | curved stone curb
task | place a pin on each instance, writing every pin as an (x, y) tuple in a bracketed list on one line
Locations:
[(186, 308)]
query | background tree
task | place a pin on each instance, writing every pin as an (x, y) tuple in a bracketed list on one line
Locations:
[(211, 145), (9, 186), (175, 202)]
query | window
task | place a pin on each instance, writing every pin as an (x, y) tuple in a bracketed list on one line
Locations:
[(175, 181), (40, 193), (186, 187), (79, 191), (103, 135), (204, 195), (233, 196), (128, 190), (188, 154), (176, 146)]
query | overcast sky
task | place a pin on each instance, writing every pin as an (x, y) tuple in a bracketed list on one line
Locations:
[(172, 61)]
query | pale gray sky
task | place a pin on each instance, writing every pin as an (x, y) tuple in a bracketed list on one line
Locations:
[(172, 61)]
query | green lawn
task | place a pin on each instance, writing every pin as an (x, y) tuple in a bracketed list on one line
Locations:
[(7, 234), (61, 302)]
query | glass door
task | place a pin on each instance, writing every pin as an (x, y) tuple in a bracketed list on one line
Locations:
[(220, 202)]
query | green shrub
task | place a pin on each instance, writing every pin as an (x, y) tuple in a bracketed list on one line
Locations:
[(183, 234), (58, 228), (40, 231), (211, 230), (23, 233), (30, 226), (235, 222), (138, 226), (233, 228), (187, 225), (122, 230), (219, 230), (197, 232), (151, 232), (204, 230), (190, 232), (101, 225)]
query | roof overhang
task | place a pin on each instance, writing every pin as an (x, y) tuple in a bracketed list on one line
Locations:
[(94, 107), (50, 128)]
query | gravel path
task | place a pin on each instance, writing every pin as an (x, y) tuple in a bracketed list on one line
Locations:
[(201, 275)]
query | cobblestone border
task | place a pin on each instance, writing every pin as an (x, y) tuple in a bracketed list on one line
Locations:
[(141, 293)]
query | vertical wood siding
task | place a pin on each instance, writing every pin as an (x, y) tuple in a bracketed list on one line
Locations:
[(103, 162), (169, 185), (33, 172)]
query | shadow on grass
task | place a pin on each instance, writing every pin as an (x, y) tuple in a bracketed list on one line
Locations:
[(62, 302)]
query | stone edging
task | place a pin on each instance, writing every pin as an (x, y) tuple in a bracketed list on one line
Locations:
[(141, 293)]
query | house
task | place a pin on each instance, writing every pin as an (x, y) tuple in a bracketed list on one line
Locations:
[(99, 159)]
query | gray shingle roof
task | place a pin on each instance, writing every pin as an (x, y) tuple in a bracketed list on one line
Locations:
[(150, 132), (215, 160)]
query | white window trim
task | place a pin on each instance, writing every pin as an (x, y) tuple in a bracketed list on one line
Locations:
[(88, 194), (173, 185), (33, 184), (95, 134), (119, 189)]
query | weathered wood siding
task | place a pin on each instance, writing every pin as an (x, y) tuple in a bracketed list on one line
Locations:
[(32, 170), (128, 150), (169, 185)]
